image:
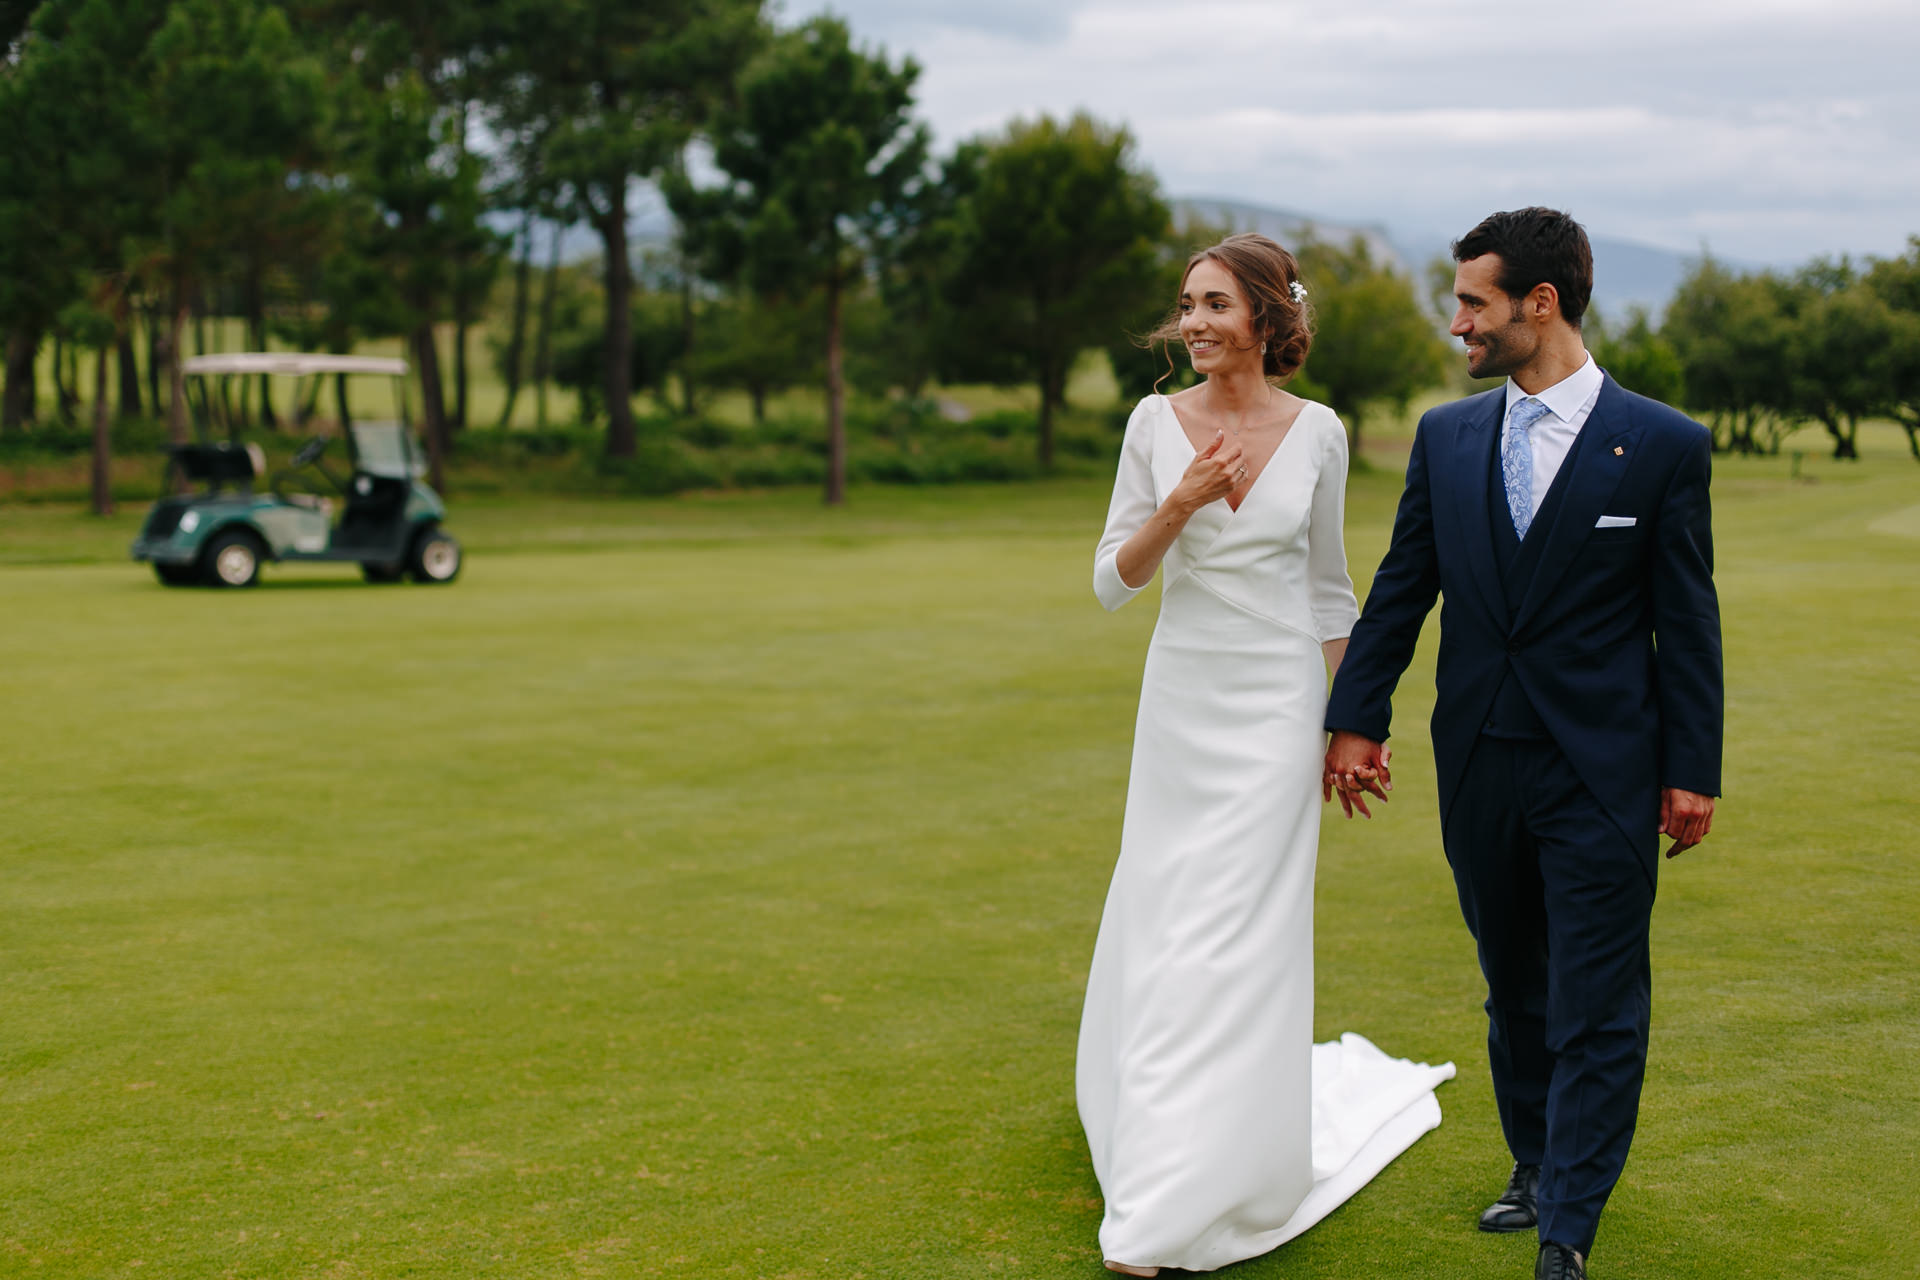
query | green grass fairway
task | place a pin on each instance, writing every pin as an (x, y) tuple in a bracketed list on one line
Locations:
[(705, 888)]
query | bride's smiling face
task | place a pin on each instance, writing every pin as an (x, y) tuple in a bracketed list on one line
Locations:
[(1215, 321)]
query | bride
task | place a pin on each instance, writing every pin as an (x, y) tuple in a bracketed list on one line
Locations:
[(1218, 1129)]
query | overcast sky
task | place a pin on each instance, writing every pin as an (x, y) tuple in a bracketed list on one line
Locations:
[(1768, 130)]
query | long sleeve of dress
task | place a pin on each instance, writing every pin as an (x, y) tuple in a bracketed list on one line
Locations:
[(1329, 588), (1132, 506)]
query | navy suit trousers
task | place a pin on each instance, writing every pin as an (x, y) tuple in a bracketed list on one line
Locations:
[(1559, 903)]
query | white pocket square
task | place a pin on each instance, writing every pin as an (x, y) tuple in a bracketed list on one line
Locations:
[(1615, 522)]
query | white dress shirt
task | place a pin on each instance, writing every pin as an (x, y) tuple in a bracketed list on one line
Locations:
[(1568, 402)]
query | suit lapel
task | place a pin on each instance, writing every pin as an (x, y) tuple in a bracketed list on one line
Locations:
[(1479, 437), (1601, 454)]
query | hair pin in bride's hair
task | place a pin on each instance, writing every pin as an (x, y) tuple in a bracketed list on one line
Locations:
[(1299, 292)]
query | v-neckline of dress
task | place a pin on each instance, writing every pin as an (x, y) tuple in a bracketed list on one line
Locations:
[(1266, 466)]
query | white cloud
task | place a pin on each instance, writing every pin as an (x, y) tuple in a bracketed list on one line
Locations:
[(1772, 128)]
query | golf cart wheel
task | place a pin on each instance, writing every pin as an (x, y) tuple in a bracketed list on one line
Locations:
[(233, 560), (436, 557), (176, 575), (374, 571)]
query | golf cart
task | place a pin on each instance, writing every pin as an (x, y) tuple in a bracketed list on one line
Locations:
[(389, 521)]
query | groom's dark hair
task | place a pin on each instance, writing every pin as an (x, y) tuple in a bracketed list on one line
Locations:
[(1536, 246)]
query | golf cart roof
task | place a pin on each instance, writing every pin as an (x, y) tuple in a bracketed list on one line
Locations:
[(287, 362)]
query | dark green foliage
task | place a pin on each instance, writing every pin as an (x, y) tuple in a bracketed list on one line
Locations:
[(654, 347), (1842, 335), (607, 92), (1763, 354), (759, 344), (1896, 282), (1373, 341), (1638, 356), (1736, 349), (821, 155), (1060, 235)]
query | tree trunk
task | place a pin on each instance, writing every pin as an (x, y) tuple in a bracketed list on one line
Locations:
[(759, 393), (433, 414), (176, 380), (153, 355), (129, 375), (1049, 378), (64, 398), (343, 410), (257, 333), (836, 401), (616, 355), (517, 334), (686, 333), (18, 410), (457, 420), (462, 306), (102, 442), (1843, 440), (543, 339)]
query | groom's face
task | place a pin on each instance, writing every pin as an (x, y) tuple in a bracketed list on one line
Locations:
[(1488, 320)]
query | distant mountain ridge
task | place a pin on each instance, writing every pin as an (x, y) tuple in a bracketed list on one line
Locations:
[(1626, 274)]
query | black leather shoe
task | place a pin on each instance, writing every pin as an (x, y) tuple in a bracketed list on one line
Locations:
[(1518, 1209), (1557, 1262)]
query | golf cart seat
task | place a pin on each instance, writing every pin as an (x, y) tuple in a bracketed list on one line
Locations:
[(375, 512), (218, 465), (312, 502)]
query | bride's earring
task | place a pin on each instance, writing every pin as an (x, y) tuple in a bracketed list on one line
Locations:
[(1263, 348)]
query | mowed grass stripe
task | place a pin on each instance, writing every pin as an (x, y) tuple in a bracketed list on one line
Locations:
[(717, 901)]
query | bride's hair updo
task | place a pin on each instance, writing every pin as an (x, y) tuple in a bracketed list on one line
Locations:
[(1270, 279)]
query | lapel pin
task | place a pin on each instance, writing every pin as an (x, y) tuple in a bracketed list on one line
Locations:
[(1619, 451)]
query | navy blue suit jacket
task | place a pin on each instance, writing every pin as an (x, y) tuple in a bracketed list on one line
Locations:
[(1617, 641)]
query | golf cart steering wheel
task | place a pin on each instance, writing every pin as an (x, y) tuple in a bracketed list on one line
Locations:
[(310, 451)]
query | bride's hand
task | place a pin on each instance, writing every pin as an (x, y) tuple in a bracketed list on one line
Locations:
[(1212, 474)]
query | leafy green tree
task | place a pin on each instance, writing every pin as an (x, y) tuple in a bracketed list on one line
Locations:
[(653, 350), (1842, 333), (1896, 281), (79, 106), (1374, 342), (1060, 236), (38, 273), (232, 115), (758, 345), (93, 323), (614, 90), (896, 333), (1637, 355), (421, 205), (1737, 351), (820, 151)]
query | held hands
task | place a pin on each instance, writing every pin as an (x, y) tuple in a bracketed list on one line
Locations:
[(1212, 474), (1356, 768), (1687, 816)]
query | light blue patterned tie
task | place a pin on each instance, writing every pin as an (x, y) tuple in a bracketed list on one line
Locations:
[(1516, 460)]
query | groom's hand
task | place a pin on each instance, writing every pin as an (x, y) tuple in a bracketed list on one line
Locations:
[(1355, 768), (1687, 816)]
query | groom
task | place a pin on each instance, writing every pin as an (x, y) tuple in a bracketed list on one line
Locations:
[(1566, 524)]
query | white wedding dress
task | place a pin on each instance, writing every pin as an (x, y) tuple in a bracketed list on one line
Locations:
[(1218, 1129)]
